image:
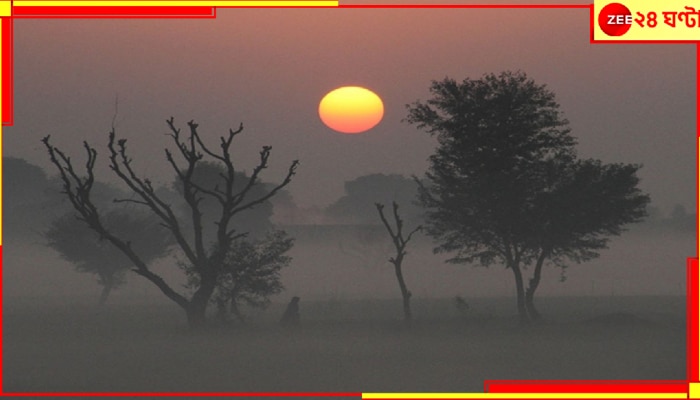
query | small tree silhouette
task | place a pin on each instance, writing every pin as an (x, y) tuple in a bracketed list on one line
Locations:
[(83, 247), (400, 245), (250, 273)]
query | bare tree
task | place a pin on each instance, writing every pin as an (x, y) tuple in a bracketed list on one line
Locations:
[(206, 260), (400, 245)]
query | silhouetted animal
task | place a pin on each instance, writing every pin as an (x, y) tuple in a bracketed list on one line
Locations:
[(291, 315)]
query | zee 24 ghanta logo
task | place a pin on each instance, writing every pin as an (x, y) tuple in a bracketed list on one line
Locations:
[(616, 19)]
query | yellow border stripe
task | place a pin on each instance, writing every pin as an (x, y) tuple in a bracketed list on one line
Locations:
[(5, 8), (694, 390), (175, 3), (524, 396)]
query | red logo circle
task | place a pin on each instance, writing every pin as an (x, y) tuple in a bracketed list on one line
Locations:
[(615, 19)]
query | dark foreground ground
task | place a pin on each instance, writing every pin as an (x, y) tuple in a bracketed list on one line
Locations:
[(350, 346)]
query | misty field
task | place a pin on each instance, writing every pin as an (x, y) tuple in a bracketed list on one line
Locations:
[(341, 346)]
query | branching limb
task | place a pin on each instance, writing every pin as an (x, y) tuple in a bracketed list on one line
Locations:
[(78, 191), (120, 163), (400, 245), (397, 237), (288, 178), (206, 263)]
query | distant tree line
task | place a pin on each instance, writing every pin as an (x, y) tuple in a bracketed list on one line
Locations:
[(505, 186)]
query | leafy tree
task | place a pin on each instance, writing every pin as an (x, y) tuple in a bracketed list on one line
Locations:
[(26, 180), (400, 243), (355, 208), (284, 210), (27, 199), (504, 184), (362, 192), (679, 213), (582, 204), (681, 220), (82, 246), (250, 273), (206, 261)]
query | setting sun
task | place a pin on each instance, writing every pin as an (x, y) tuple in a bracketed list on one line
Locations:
[(351, 109)]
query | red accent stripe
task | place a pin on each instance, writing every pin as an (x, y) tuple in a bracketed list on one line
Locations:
[(113, 12), (591, 21), (586, 387), (7, 112), (692, 321), (180, 394), (539, 6), (1, 307)]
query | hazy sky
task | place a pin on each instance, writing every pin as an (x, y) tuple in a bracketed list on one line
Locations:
[(269, 68)]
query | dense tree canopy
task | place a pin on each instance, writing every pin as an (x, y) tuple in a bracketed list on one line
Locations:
[(83, 247), (28, 201), (250, 273), (505, 186)]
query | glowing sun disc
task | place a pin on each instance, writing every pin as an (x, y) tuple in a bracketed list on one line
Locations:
[(351, 109)]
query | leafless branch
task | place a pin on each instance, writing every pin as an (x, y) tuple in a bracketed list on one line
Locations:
[(396, 236), (288, 178), (130, 201), (79, 195), (121, 165), (192, 149)]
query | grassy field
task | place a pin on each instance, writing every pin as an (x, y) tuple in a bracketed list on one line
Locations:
[(348, 346)]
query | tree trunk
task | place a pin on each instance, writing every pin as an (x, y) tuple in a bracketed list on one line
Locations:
[(532, 287), (520, 291), (235, 310), (197, 307), (400, 245), (405, 293), (530, 304), (407, 316), (106, 290), (221, 310)]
